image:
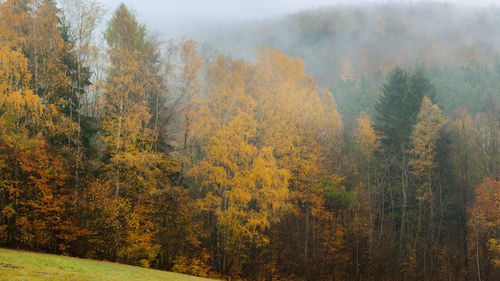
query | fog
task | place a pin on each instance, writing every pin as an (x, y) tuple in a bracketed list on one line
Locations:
[(369, 34), (177, 18), (251, 140)]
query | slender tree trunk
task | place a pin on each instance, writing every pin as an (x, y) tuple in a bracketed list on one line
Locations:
[(370, 206), (118, 136), (477, 254), (156, 129), (306, 245), (403, 208)]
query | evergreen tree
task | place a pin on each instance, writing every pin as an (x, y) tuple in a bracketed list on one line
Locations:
[(397, 109)]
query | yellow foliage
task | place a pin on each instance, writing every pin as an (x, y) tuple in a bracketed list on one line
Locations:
[(193, 266), (126, 115), (423, 140), (364, 135), (485, 217), (13, 23), (14, 73), (266, 134), (495, 248)]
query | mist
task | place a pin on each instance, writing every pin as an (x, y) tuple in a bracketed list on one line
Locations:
[(175, 18), (250, 140), (369, 35)]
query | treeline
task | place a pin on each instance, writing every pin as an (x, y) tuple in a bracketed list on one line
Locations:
[(370, 37), (474, 88), (175, 157)]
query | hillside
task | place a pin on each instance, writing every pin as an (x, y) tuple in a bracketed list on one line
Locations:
[(349, 49), (21, 265), (353, 142), (367, 38)]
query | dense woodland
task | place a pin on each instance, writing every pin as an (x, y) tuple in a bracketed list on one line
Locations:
[(173, 156), (369, 37)]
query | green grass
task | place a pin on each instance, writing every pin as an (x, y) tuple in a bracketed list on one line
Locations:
[(21, 265)]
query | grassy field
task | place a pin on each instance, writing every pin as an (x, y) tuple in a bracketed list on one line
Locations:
[(21, 265)]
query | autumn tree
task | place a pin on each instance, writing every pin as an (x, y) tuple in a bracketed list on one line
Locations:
[(169, 155), (188, 91), (428, 192), (484, 228), (462, 156), (486, 131), (125, 113), (130, 164), (32, 176), (397, 112), (266, 134), (366, 141), (49, 53), (81, 20)]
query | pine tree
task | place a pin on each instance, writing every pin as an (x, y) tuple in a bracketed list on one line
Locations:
[(399, 105)]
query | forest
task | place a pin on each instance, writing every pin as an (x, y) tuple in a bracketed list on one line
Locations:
[(383, 164)]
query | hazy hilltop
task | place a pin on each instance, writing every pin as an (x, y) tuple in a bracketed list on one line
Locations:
[(367, 37)]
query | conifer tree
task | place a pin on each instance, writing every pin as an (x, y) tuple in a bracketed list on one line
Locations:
[(399, 105)]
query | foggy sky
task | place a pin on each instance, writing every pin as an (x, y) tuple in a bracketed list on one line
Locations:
[(175, 18)]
